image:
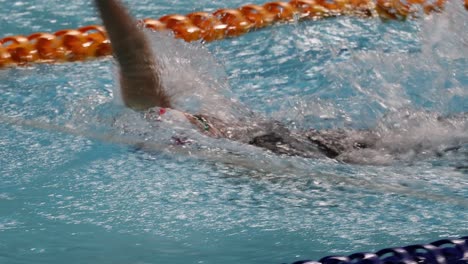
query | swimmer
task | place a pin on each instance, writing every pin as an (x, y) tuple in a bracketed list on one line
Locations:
[(142, 90)]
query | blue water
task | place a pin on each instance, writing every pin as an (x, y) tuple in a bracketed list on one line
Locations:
[(77, 187)]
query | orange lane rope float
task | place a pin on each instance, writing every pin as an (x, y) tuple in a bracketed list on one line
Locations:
[(91, 41)]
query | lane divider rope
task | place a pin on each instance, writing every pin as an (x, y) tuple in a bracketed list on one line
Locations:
[(92, 42), (445, 251)]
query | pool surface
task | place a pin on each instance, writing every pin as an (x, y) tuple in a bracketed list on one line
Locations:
[(84, 180)]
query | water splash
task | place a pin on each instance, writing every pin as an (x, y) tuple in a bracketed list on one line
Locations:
[(412, 99), (409, 136), (194, 79)]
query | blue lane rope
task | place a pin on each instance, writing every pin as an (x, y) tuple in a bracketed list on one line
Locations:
[(445, 251)]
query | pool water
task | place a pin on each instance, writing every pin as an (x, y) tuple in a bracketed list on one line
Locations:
[(86, 181)]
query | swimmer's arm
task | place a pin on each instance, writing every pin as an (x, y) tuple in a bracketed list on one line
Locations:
[(141, 86)]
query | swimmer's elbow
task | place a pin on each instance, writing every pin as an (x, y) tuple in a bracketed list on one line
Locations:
[(137, 96)]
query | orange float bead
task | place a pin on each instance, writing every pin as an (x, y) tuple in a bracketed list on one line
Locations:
[(358, 3), (47, 46), (103, 49), (187, 33), (309, 8), (335, 6), (14, 39), (182, 27), (257, 15), (361, 7), (235, 21), (172, 20), (282, 11), (399, 9), (412, 5), (73, 41), (441, 3), (438, 5), (392, 9), (153, 24), (94, 33), (19, 48), (382, 7), (5, 58), (95, 37), (212, 29)]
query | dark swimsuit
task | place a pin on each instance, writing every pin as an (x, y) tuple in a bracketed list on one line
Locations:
[(312, 144), (280, 140)]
